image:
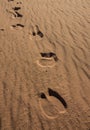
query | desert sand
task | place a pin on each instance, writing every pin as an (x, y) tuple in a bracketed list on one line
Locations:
[(44, 64)]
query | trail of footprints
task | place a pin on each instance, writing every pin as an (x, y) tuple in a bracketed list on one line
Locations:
[(48, 59), (16, 14), (52, 105)]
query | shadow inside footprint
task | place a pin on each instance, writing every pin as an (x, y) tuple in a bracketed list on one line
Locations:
[(55, 94), (1, 29), (33, 33), (49, 55), (18, 14), (10, 0), (43, 96), (40, 34), (50, 106), (18, 25), (16, 8)]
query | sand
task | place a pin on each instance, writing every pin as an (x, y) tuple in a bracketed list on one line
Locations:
[(44, 65)]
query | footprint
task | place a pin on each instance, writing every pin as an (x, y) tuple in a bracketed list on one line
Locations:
[(17, 26), (50, 106), (48, 59), (35, 32), (39, 33), (48, 110), (15, 13)]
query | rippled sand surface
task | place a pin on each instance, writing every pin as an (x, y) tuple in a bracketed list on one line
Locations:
[(44, 65)]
